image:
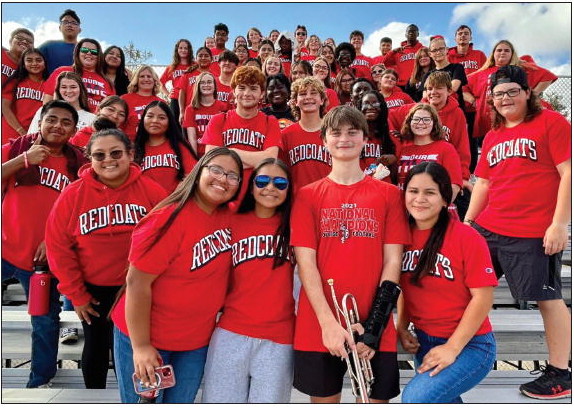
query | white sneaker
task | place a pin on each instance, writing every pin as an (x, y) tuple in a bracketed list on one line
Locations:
[(68, 335)]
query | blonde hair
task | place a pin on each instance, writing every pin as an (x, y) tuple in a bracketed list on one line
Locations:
[(133, 85), (302, 85)]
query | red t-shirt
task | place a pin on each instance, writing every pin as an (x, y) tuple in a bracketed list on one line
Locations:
[(286, 61), (520, 165), (199, 118), (25, 210), (172, 74), (305, 154), (214, 67), (253, 135), (8, 65), (397, 98), (97, 86), (192, 261), (371, 152), (136, 105), (471, 61), (440, 151), (259, 301), (403, 61), (225, 94), (463, 262), (161, 164), (27, 101), (89, 228), (347, 226), (362, 65), (333, 99), (187, 83)]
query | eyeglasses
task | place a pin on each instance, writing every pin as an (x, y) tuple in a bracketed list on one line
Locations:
[(301, 33), (441, 49), (218, 172), (101, 156), (367, 105), (347, 80), (261, 181), (23, 40), (206, 82), (321, 67), (85, 50), (377, 71), (69, 22), (511, 93), (426, 121)]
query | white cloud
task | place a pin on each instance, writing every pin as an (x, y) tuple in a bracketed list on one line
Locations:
[(394, 30), (43, 31), (538, 29)]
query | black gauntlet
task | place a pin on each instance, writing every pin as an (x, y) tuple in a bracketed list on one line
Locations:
[(383, 304)]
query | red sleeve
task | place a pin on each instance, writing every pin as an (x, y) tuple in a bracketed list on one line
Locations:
[(62, 257), (390, 58), (482, 169), (273, 133), (304, 228), (8, 91), (214, 133), (478, 268), (460, 142), (397, 230), (157, 258), (166, 76), (539, 74), (50, 84), (189, 118), (451, 163), (559, 135)]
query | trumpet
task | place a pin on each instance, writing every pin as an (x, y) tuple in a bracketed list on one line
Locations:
[(359, 369)]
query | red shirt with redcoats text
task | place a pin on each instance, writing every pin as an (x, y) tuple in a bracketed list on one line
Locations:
[(403, 61), (172, 74), (199, 118), (161, 164), (259, 302), (8, 65), (253, 135), (136, 105), (347, 225), (225, 93), (463, 263), (97, 86), (520, 165), (397, 98), (362, 65), (192, 261), (25, 210), (439, 151), (25, 103), (471, 61), (89, 228), (305, 154)]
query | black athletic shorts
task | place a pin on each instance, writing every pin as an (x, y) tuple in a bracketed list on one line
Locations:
[(320, 374), (530, 273)]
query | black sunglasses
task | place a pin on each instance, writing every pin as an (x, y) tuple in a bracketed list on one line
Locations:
[(101, 156), (281, 183)]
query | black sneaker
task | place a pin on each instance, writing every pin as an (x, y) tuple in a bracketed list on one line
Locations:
[(68, 335), (552, 384)]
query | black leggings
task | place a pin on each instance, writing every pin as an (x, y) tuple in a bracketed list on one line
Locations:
[(98, 337)]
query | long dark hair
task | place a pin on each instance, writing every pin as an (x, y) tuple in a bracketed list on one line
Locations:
[(121, 82), (77, 65), (20, 73), (194, 64), (434, 243), (173, 135), (176, 60), (380, 124), (186, 190), (283, 252), (83, 98)]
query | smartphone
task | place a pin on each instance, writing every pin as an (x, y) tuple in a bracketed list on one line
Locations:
[(164, 377)]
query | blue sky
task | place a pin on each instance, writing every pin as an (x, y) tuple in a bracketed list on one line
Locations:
[(534, 28)]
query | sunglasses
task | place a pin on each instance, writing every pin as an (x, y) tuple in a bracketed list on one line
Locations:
[(101, 156), (85, 50), (281, 183)]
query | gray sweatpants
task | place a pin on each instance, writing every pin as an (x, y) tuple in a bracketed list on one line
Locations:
[(242, 369)]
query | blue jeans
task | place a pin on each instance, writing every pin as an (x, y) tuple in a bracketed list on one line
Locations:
[(187, 367), (44, 329), (473, 364)]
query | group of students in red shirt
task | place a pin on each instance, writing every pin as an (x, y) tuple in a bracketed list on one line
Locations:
[(157, 228)]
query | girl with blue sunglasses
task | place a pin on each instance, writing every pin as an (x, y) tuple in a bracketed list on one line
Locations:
[(250, 356)]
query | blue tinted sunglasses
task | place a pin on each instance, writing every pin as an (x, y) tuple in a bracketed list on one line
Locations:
[(281, 183)]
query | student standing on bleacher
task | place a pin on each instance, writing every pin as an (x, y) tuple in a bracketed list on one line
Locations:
[(448, 284), (521, 205), (35, 169)]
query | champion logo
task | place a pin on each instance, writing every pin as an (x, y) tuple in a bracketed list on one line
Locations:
[(546, 287), (489, 270)]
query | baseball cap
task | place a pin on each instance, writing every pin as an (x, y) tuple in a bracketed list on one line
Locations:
[(509, 73)]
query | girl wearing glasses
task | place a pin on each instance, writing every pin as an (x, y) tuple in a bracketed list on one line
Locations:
[(161, 151), (242, 53), (186, 82), (526, 159), (142, 90), (423, 65), (377, 73), (322, 71), (96, 216), (204, 105), (89, 64), (250, 357), (343, 83), (423, 140), (177, 280), (22, 94)]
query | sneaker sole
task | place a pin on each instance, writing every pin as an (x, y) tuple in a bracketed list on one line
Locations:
[(564, 394)]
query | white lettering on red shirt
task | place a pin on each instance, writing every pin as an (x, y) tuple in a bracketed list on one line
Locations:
[(108, 215), (210, 246)]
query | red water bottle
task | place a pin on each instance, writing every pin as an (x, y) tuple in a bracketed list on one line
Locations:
[(39, 296)]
